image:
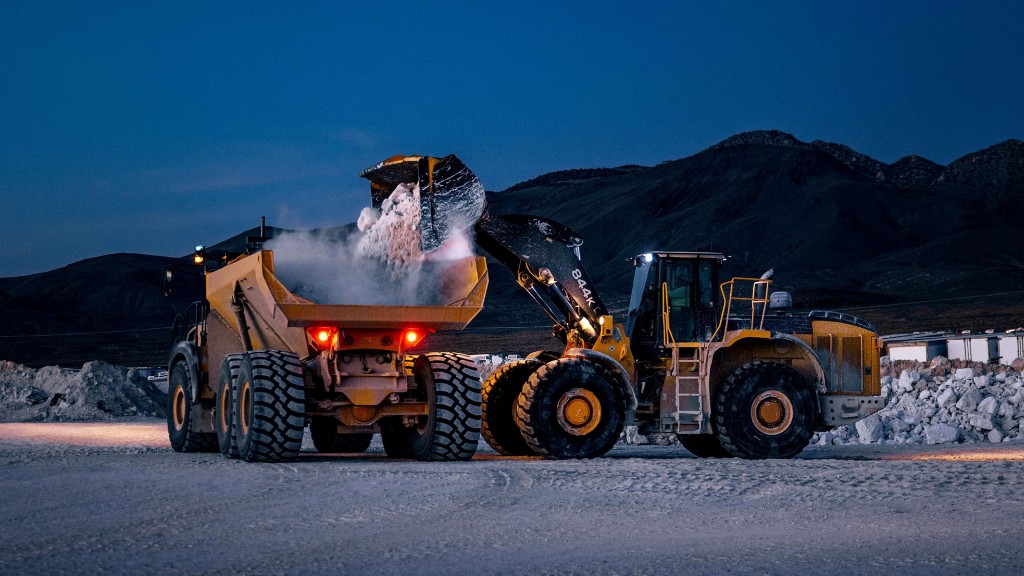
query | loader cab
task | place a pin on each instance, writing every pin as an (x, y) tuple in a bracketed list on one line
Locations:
[(691, 279)]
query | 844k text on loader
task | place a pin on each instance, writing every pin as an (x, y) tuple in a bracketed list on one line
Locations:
[(730, 371)]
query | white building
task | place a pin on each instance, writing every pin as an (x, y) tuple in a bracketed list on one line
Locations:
[(1011, 346), (973, 347), (919, 346)]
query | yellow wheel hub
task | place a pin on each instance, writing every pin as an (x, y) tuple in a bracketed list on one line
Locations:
[(225, 406), (579, 412), (244, 404), (179, 408), (771, 412)]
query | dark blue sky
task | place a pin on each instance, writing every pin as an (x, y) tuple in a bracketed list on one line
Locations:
[(150, 127)]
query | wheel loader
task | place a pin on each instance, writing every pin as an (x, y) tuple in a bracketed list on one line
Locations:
[(721, 363), (253, 364)]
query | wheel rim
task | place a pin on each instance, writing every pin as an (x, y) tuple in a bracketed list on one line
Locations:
[(771, 412), (579, 412), (244, 403), (179, 408), (225, 406)]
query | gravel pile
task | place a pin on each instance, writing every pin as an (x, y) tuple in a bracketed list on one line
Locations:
[(941, 402), (99, 391)]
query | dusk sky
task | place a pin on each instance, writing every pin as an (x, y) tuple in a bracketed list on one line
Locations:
[(151, 127)]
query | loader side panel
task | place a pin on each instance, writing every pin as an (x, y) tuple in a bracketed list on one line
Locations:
[(849, 356)]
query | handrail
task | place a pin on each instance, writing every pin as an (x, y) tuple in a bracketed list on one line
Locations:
[(756, 321), (666, 331), (728, 299)]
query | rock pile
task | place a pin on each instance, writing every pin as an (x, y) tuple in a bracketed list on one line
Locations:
[(941, 402), (99, 391)]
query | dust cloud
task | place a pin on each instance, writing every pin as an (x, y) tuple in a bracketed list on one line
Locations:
[(381, 264)]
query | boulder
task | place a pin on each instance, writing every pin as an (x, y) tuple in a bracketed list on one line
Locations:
[(989, 405), (995, 436), (947, 398), (981, 420), (1017, 365), (870, 429), (939, 365), (941, 433), (971, 398), (963, 374)]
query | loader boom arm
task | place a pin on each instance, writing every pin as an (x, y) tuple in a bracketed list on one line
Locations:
[(545, 257)]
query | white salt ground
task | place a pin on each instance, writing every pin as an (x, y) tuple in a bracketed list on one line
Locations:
[(126, 506)]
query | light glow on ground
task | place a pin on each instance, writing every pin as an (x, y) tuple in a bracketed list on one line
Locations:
[(152, 435)]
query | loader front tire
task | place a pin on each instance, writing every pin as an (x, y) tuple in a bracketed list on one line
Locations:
[(704, 445), (270, 409), (324, 431), (500, 393), (571, 408), (181, 414), (764, 410), (224, 405), (450, 385)]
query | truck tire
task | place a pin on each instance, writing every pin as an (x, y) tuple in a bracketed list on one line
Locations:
[(571, 408), (450, 385), (270, 406), (764, 410), (324, 431), (704, 445), (500, 393), (224, 407), (181, 416)]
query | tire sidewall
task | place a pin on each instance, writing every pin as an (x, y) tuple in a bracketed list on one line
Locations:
[(224, 409), (551, 384), (421, 437), (735, 405), (179, 378), (243, 437), (500, 393)]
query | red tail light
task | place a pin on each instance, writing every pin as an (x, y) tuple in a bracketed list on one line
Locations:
[(412, 337), (323, 336)]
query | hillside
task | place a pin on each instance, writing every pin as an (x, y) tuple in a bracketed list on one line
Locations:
[(841, 230)]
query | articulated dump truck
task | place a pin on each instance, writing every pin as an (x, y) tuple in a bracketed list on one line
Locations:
[(254, 364)]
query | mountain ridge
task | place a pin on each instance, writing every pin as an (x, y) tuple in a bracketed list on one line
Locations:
[(841, 229)]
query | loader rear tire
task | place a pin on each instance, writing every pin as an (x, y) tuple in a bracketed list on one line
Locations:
[(324, 432), (224, 405), (765, 410), (571, 408), (500, 393), (450, 385), (181, 414), (704, 445), (270, 409)]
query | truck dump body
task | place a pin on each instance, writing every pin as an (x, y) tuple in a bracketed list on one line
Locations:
[(277, 318)]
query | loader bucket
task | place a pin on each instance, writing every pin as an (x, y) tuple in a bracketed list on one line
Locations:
[(451, 196)]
